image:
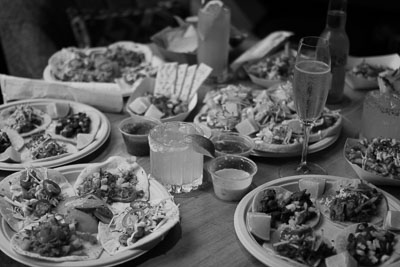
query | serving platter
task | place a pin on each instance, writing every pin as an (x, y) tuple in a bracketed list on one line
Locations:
[(290, 183), (71, 172), (124, 90), (100, 138)]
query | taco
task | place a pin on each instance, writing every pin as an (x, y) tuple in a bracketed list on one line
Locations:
[(351, 201), (76, 127), (117, 179), (299, 245), (368, 244), (286, 207), (137, 225), (24, 119), (287, 137), (10, 143), (85, 211), (29, 194), (52, 239)]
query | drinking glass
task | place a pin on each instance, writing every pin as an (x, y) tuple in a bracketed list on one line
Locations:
[(173, 162), (311, 82)]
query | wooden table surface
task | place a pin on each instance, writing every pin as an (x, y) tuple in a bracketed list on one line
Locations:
[(206, 235)]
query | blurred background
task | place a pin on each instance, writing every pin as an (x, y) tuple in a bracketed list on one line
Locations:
[(31, 31)]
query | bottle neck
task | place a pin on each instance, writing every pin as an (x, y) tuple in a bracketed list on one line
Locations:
[(336, 19)]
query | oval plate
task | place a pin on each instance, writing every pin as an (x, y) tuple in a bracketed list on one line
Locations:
[(100, 138), (290, 183), (71, 172)]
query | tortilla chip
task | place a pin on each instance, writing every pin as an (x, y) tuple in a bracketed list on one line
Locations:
[(382, 208), (90, 250), (115, 165), (6, 208)]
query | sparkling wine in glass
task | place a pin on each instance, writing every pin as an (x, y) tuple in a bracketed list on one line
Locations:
[(311, 84)]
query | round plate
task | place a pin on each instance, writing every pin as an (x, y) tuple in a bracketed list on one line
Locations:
[(157, 191), (125, 92), (101, 136), (290, 183), (314, 147)]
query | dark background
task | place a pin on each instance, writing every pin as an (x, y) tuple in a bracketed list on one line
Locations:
[(32, 30)]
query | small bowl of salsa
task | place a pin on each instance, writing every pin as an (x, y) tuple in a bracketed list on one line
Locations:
[(135, 131), (231, 176), (232, 143)]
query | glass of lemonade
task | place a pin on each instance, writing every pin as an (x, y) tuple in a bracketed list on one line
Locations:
[(213, 28), (173, 162), (381, 115)]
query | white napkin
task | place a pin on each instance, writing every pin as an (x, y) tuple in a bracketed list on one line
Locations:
[(102, 98)]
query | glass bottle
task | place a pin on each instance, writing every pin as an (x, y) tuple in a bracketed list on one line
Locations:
[(339, 47), (213, 29)]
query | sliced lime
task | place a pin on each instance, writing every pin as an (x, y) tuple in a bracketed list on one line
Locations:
[(201, 144)]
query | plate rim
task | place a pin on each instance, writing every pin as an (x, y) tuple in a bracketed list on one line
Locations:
[(102, 135), (240, 218), (99, 262)]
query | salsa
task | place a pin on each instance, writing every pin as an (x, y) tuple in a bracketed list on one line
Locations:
[(139, 128)]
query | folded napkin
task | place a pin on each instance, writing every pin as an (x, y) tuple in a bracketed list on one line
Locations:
[(100, 97)]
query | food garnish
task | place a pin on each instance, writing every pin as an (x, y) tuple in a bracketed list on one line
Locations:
[(44, 146), (52, 239), (294, 208), (139, 220), (370, 245), (267, 116), (111, 187), (303, 245), (378, 155), (71, 125), (354, 204), (276, 67), (102, 65), (24, 119), (368, 71), (132, 74)]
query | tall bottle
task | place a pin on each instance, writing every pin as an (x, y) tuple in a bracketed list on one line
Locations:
[(339, 47), (213, 30)]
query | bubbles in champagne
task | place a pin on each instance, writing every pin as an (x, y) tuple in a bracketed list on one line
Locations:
[(310, 87)]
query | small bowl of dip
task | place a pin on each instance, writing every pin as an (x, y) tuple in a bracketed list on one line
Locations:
[(232, 143), (232, 176), (135, 131)]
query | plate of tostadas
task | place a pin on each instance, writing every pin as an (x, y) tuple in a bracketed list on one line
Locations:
[(49, 133)]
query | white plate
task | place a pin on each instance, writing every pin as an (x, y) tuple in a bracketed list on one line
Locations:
[(312, 148), (355, 82), (157, 191), (125, 92), (290, 183), (101, 136)]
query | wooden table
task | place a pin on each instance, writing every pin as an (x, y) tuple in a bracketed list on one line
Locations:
[(206, 235)]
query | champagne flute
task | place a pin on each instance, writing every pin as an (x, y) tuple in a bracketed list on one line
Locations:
[(311, 84)]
